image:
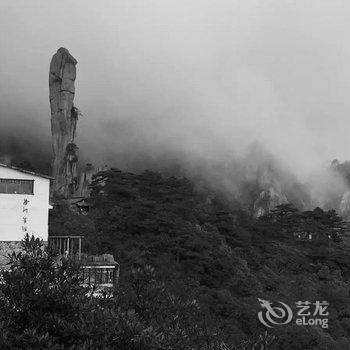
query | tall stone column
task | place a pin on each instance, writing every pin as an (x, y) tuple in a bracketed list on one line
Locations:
[(64, 118)]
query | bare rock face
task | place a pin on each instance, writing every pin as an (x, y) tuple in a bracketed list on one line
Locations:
[(271, 195), (268, 199), (86, 177), (85, 180), (64, 118), (344, 206)]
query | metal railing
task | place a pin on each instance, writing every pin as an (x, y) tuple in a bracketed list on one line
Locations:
[(69, 246), (100, 271)]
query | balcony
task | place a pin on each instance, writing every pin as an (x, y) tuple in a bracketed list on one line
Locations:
[(98, 271), (68, 246)]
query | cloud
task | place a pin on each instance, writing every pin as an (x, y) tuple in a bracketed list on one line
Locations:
[(163, 80)]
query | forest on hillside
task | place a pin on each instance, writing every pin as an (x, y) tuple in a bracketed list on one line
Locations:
[(187, 166), (208, 252)]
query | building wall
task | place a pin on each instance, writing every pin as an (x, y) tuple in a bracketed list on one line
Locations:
[(24, 213)]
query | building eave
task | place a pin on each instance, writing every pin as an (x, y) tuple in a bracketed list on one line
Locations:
[(26, 171)]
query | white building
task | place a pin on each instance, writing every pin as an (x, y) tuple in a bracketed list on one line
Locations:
[(24, 203)]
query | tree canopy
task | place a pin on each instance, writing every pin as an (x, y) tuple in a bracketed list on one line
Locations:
[(202, 245)]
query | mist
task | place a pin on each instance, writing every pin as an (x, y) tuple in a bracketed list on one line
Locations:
[(174, 83)]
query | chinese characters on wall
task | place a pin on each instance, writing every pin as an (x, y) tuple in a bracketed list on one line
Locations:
[(25, 212)]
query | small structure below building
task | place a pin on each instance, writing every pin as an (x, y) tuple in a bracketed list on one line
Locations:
[(98, 271), (67, 246), (101, 271), (79, 205)]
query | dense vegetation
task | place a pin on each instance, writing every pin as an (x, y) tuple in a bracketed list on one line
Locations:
[(44, 306), (210, 262)]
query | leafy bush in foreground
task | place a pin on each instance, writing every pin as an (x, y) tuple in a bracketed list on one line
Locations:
[(43, 306)]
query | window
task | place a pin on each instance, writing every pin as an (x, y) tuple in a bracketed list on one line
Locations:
[(15, 186)]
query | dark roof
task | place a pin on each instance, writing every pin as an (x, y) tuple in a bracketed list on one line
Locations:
[(26, 171), (76, 200), (98, 260)]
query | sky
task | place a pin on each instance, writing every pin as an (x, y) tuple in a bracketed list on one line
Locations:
[(185, 78)]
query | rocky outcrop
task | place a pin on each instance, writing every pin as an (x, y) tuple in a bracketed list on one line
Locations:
[(86, 177), (85, 180), (271, 192), (344, 206), (339, 194), (268, 199), (64, 116)]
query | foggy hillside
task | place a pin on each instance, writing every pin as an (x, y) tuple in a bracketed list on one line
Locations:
[(178, 87)]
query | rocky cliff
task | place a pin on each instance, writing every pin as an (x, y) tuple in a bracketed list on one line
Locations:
[(267, 182), (85, 180), (64, 117), (271, 192), (344, 206), (341, 201)]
